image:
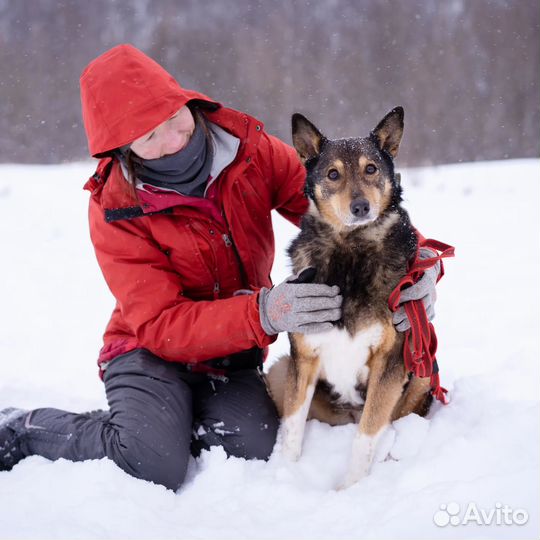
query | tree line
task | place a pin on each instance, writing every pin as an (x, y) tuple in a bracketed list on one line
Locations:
[(466, 72)]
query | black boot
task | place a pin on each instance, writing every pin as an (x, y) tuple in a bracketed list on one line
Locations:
[(11, 429)]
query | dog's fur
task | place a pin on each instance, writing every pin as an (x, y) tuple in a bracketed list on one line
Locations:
[(357, 236)]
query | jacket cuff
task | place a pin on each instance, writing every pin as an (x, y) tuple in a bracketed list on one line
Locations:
[(254, 320)]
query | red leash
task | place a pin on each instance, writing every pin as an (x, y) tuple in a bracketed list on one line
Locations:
[(420, 343)]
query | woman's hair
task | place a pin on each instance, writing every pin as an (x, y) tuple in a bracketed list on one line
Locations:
[(196, 107)]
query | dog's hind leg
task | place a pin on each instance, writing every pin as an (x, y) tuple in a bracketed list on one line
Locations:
[(415, 399), (302, 375), (276, 380)]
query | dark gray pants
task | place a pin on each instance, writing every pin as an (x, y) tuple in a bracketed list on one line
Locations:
[(158, 415)]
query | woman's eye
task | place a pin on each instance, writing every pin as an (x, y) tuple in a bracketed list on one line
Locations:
[(371, 169), (151, 135), (333, 174)]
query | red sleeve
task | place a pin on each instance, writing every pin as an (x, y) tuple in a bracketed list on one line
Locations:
[(288, 177), (150, 298)]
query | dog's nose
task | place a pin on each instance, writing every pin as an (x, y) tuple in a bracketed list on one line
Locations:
[(360, 208)]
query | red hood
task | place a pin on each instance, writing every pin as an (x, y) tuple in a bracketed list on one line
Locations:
[(125, 94)]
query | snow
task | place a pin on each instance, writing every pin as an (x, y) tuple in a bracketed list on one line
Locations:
[(482, 448)]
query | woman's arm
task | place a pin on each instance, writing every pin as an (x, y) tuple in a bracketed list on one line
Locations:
[(150, 297), (287, 175)]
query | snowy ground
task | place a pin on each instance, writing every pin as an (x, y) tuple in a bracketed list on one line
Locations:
[(483, 448)]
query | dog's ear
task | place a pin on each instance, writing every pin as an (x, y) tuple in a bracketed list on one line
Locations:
[(388, 132), (306, 137)]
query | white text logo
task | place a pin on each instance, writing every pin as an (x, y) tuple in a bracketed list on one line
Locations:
[(500, 514)]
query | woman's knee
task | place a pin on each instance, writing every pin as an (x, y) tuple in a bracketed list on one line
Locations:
[(161, 464), (149, 430)]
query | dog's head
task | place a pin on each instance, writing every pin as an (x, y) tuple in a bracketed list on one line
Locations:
[(351, 181)]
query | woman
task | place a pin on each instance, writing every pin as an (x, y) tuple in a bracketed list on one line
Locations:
[(180, 221)]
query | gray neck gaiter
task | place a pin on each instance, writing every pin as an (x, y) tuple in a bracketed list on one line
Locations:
[(186, 171)]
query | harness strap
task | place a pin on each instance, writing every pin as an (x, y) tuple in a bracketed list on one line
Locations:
[(420, 344)]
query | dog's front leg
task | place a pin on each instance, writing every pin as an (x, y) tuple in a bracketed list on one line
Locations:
[(302, 377), (384, 391)]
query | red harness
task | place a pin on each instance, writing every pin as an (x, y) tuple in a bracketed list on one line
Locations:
[(420, 343)]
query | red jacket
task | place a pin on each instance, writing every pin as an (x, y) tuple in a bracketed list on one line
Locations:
[(173, 272)]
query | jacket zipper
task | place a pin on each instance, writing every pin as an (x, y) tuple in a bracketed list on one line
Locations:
[(227, 240), (195, 227), (243, 272), (228, 243)]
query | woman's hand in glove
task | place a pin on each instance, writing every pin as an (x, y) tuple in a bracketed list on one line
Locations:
[(306, 308)]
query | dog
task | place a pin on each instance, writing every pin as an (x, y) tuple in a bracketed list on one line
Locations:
[(355, 235)]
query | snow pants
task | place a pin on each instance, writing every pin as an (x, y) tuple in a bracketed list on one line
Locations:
[(159, 414)]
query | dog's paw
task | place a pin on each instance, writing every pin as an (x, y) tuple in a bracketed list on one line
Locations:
[(351, 479), (363, 451)]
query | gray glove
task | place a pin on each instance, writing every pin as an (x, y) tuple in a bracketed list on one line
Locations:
[(423, 290), (307, 308)]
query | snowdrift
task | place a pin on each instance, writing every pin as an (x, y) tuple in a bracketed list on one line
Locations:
[(469, 470)]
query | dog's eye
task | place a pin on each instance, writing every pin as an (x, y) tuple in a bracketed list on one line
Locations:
[(333, 174), (371, 169)]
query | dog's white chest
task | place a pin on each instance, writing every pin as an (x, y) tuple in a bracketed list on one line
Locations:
[(343, 358)]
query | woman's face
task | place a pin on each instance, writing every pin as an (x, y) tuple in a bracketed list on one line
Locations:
[(167, 138)]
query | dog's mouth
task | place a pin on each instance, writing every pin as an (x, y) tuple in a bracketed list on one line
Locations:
[(359, 222)]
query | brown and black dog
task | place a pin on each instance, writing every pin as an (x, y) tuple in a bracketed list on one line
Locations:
[(355, 235)]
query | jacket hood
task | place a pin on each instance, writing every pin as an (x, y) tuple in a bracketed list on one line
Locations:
[(125, 94)]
